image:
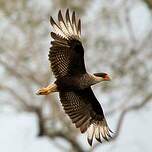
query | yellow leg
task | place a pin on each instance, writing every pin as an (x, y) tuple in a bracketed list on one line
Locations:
[(46, 90)]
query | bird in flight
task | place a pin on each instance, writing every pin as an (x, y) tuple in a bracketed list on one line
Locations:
[(73, 83)]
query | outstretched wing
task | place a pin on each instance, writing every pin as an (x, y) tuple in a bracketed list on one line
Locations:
[(85, 111), (66, 53)]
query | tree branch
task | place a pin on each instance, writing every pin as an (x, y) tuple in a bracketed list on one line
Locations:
[(124, 112)]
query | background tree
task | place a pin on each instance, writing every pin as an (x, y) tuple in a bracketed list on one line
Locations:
[(113, 43)]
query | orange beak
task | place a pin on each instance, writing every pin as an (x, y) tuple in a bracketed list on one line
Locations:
[(107, 78)]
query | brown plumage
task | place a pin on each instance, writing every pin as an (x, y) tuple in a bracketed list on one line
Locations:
[(73, 82)]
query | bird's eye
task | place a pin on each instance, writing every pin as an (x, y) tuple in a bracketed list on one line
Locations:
[(104, 76)]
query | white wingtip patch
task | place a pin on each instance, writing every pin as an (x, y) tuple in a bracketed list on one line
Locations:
[(96, 130), (67, 29), (90, 133)]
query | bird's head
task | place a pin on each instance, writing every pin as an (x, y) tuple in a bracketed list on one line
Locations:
[(101, 77)]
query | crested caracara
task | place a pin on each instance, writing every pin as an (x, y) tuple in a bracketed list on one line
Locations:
[(73, 83)]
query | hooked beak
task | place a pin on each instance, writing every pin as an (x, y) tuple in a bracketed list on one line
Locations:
[(107, 78)]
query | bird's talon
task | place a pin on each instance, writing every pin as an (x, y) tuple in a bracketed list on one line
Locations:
[(42, 91)]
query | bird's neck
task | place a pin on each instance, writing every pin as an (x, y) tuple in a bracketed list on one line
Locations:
[(89, 80), (95, 79)]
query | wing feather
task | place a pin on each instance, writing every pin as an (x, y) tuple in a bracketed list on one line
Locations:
[(79, 27), (62, 23), (80, 122), (86, 113), (56, 37), (74, 24), (68, 22), (66, 52), (57, 29)]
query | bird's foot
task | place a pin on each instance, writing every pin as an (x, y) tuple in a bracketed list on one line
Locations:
[(46, 90)]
